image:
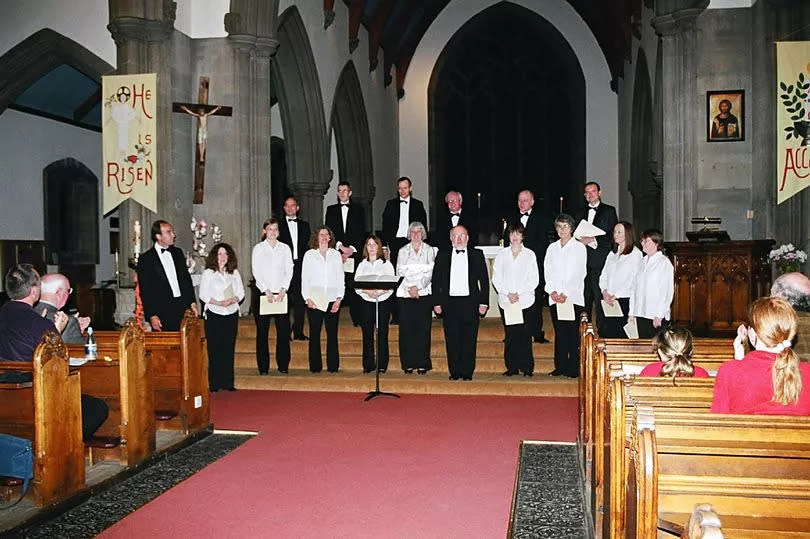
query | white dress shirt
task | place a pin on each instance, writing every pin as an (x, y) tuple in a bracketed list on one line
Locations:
[(213, 285), (367, 268), (515, 275), (416, 269), (618, 277), (344, 214), (459, 273), (404, 212), (322, 274), (592, 212), (564, 269), (655, 286), (524, 218), (272, 266), (293, 227), (454, 219), (167, 262)]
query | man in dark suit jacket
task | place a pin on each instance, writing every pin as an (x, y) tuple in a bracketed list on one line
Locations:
[(402, 209), (454, 215), (165, 285), (54, 295), (460, 296), (295, 233), (602, 216), (535, 237), (347, 221)]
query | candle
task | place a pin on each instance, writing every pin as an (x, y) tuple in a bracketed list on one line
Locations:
[(137, 238), (561, 204), (479, 201), (117, 267)]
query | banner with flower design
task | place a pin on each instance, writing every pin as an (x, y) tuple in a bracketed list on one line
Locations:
[(792, 118)]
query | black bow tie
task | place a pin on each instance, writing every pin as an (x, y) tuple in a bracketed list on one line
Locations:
[(403, 201), (293, 220), (163, 250), (454, 214), (525, 214), (344, 204), (593, 207), (459, 251)]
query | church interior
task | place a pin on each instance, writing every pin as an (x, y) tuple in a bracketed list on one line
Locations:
[(259, 100)]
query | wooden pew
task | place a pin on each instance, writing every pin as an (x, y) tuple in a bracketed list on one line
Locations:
[(48, 411), (586, 380), (125, 384), (627, 393), (754, 471)]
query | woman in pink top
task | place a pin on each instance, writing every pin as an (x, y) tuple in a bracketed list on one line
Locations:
[(768, 380), (674, 347)]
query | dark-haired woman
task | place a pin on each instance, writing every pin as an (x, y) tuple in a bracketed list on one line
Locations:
[(674, 348), (618, 279), (221, 290), (655, 286)]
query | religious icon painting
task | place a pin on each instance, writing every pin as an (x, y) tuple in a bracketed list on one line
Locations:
[(725, 115)]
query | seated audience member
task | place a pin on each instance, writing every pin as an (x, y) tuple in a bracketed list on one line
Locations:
[(54, 295), (795, 288), (769, 379), (21, 329), (674, 347)]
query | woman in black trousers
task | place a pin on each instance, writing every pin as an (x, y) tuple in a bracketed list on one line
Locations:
[(373, 265)]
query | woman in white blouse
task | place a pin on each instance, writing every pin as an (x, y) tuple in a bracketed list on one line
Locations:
[(322, 288), (565, 268), (372, 264), (415, 266), (515, 276), (619, 278), (655, 286), (221, 290)]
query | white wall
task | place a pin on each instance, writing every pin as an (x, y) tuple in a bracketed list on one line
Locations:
[(601, 103), (202, 18)]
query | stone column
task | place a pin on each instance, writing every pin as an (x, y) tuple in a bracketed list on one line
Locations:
[(675, 23), (310, 198)]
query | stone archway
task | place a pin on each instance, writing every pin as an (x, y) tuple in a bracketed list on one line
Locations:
[(295, 80), (350, 125), (645, 190)]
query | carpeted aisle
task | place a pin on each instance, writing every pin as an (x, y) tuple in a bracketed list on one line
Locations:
[(330, 465)]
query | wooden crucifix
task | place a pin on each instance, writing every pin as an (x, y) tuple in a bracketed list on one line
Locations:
[(201, 110)]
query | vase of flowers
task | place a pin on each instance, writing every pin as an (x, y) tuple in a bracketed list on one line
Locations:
[(195, 259), (787, 258)]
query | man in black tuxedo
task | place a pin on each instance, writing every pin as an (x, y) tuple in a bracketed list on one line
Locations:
[(295, 233), (602, 216), (460, 296), (452, 217), (397, 216), (166, 288), (535, 238), (347, 221)]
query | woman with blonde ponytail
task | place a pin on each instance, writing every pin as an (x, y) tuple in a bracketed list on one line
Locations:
[(768, 380), (674, 348)]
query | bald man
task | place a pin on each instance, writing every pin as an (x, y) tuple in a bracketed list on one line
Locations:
[(55, 292), (795, 288)]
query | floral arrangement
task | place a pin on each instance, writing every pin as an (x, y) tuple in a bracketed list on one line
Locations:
[(199, 248), (787, 258)]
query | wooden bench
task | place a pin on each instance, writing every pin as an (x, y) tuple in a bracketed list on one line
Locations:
[(587, 375), (47, 411), (753, 470), (122, 377)]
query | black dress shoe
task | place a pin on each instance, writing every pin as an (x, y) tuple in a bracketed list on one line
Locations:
[(541, 340), (230, 389), (263, 373), (467, 378), (530, 374), (454, 377), (283, 371), (572, 375), (366, 371), (301, 337), (421, 371), (509, 373), (408, 371), (213, 390), (383, 371), (555, 372)]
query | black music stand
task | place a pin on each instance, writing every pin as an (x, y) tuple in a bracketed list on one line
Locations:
[(377, 285)]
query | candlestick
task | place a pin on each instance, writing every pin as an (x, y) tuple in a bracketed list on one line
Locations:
[(479, 200), (117, 270), (561, 204), (137, 239)]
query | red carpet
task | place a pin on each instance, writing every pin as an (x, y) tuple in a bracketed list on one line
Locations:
[(331, 465)]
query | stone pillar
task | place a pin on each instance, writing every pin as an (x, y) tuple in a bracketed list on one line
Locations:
[(675, 23), (310, 198)]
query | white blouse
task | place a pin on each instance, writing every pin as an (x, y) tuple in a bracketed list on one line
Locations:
[(322, 274), (213, 285), (619, 274), (416, 269), (655, 286), (272, 266), (515, 275), (367, 268), (564, 269)]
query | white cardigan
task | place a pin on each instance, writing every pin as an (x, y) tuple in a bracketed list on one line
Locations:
[(655, 286)]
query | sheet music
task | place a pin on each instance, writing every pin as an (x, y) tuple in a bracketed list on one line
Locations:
[(228, 292), (612, 312), (631, 329), (348, 266), (513, 314), (77, 361), (320, 300), (586, 229), (565, 311), (274, 307)]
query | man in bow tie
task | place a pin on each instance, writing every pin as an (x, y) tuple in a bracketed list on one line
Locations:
[(347, 221), (165, 285), (455, 216), (602, 216), (295, 233), (397, 216), (461, 297)]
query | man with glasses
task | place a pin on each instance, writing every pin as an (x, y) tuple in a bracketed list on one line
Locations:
[(55, 292)]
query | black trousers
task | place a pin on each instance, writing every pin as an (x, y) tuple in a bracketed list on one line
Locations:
[(566, 342), (414, 332), (352, 300), (282, 341), (94, 414), (297, 304), (646, 330), (367, 323), (517, 351), (173, 315), (461, 335), (593, 295), (613, 327), (220, 334), (330, 320)]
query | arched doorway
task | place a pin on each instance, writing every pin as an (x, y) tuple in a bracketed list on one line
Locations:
[(506, 106), (644, 188)]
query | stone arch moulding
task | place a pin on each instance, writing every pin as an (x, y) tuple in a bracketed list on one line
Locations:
[(352, 138), (38, 54), (295, 78), (646, 192)]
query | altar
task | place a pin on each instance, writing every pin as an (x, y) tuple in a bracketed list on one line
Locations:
[(490, 252)]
